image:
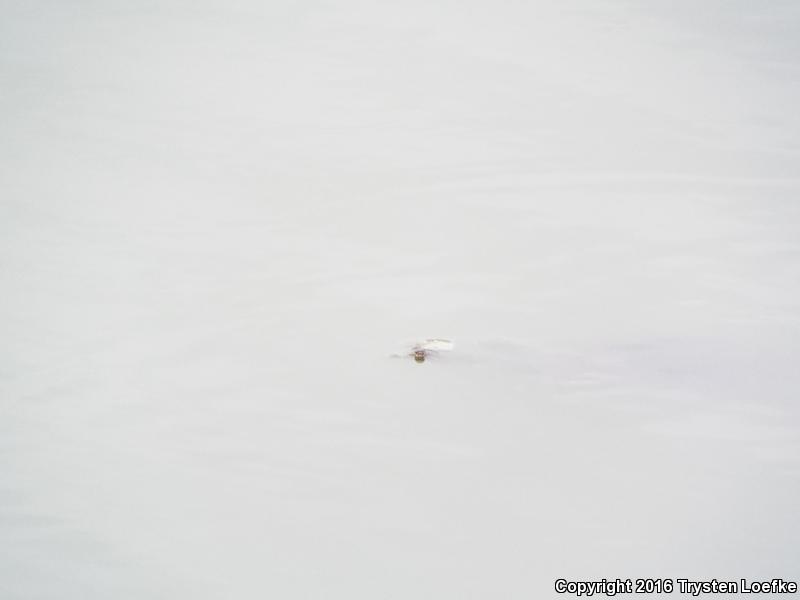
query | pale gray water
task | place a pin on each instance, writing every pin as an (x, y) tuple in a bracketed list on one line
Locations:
[(219, 219)]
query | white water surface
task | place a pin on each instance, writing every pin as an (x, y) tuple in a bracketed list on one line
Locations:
[(219, 219)]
